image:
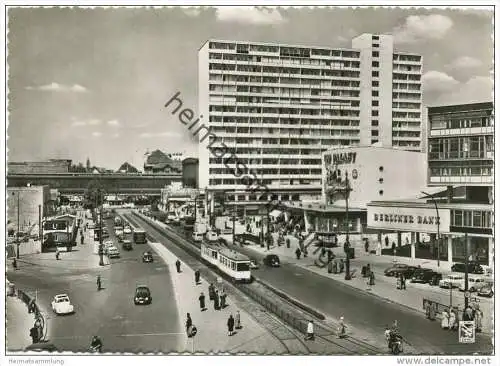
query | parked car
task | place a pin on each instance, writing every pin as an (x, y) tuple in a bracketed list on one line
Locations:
[(127, 245), (271, 260), (197, 237), (451, 281), (399, 268), (127, 230), (422, 275), (113, 252), (61, 305), (211, 236), (486, 290), (474, 268), (142, 296), (474, 283), (147, 257)]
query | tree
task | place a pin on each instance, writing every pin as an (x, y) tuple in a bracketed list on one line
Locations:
[(94, 194)]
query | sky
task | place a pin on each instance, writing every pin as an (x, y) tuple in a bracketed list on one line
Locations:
[(92, 83)]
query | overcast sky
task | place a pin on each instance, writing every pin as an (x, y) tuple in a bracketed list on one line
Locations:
[(93, 82)]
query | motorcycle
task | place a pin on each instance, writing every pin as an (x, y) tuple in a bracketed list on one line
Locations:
[(396, 345)]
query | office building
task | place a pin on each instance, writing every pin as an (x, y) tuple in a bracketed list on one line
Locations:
[(460, 160), (278, 107)]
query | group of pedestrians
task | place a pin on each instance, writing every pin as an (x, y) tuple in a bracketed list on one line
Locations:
[(450, 317), (219, 299)]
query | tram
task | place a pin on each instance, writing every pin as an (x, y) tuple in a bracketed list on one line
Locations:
[(232, 263)]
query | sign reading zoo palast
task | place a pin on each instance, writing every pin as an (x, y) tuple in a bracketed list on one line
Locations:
[(408, 219), (340, 158)]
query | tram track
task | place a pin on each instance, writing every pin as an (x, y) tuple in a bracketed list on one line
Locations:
[(285, 314)]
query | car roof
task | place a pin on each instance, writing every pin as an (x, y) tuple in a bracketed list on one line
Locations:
[(141, 287), (61, 296)]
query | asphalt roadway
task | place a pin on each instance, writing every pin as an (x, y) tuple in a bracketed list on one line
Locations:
[(109, 313), (365, 311)]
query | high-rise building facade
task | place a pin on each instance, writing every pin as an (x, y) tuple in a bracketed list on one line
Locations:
[(278, 107), (461, 153)]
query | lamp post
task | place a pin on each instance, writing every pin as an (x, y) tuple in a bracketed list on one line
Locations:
[(18, 244), (437, 225), (347, 190)]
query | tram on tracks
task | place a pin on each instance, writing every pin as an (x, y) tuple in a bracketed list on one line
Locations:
[(232, 263)]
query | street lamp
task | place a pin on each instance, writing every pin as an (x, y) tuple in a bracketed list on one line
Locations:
[(437, 224), (18, 244)]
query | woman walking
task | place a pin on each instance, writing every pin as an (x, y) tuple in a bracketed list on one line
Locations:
[(230, 325)]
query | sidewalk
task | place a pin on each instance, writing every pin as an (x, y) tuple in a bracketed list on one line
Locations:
[(19, 323), (385, 287), (212, 335), (82, 257)]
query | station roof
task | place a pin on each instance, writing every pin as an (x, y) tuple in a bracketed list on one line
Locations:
[(321, 207)]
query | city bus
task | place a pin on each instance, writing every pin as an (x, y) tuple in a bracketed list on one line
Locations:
[(139, 236)]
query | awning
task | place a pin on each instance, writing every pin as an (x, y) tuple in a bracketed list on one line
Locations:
[(275, 213)]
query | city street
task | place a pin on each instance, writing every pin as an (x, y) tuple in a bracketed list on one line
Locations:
[(363, 310), (110, 313)]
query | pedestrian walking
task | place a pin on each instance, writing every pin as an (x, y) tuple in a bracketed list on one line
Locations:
[(178, 265), (298, 252), (403, 282), (445, 320), (453, 320), (14, 263), (58, 253), (211, 292), (342, 330), (310, 331), (202, 302), (237, 320), (223, 299), (371, 280), (81, 239), (479, 319), (230, 325), (216, 300), (189, 324), (34, 335), (99, 283), (197, 277)]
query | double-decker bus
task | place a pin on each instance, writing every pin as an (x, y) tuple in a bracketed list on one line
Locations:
[(140, 236)]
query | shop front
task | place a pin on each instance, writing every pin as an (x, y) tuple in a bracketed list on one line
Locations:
[(433, 234)]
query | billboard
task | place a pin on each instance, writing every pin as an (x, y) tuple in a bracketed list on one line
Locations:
[(408, 219)]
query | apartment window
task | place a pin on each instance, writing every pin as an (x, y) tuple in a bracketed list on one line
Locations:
[(375, 83), (375, 74), (374, 141), (375, 64), (374, 133), (374, 103), (375, 113), (374, 93), (381, 192), (374, 122), (375, 54), (381, 180), (375, 45), (375, 38)]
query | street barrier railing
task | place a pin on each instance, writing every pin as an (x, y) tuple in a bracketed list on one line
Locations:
[(32, 307)]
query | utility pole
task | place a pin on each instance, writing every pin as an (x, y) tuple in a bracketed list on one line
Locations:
[(40, 230), (347, 244), (17, 234), (438, 240), (101, 230), (234, 225), (466, 300)]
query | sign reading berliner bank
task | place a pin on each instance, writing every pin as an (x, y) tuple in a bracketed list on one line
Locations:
[(408, 218)]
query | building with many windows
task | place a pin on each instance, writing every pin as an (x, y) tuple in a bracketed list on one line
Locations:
[(460, 160), (278, 107)]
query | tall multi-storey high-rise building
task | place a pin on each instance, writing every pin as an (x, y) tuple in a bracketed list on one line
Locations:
[(278, 107)]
